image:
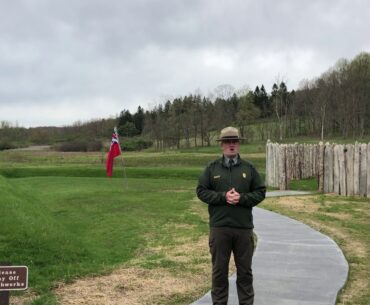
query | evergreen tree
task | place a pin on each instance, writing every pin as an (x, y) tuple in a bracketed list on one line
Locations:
[(138, 120)]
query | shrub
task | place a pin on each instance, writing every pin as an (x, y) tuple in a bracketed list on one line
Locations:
[(82, 146), (6, 144), (94, 145), (72, 146), (131, 144)]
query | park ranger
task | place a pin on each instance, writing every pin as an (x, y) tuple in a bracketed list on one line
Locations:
[(231, 187)]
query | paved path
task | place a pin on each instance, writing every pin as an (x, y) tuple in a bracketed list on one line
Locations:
[(293, 264)]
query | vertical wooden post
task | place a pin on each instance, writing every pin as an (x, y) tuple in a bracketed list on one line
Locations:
[(336, 178), (282, 167), (289, 158), (363, 171), (321, 171), (318, 159), (287, 178), (349, 169), (328, 168), (368, 171), (276, 163), (308, 161), (301, 161), (315, 155), (4, 295), (268, 161), (331, 168), (294, 161), (298, 162), (271, 165), (310, 165), (325, 170), (304, 161), (356, 169), (314, 173), (342, 171)]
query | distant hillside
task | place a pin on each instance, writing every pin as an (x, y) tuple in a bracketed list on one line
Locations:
[(335, 104)]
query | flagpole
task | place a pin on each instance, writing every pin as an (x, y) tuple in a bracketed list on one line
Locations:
[(125, 182)]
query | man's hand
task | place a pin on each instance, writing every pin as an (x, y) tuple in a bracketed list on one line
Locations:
[(232, 197)]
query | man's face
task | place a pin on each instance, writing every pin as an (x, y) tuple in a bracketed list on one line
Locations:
[(230, 148)]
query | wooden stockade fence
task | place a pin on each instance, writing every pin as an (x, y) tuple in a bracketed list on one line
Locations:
[(340, 169)]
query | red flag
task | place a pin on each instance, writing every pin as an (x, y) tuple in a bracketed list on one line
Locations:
[(114, 151)]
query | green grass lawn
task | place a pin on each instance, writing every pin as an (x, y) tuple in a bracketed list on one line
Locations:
[(62, 217), (67, 227), (187, 158)]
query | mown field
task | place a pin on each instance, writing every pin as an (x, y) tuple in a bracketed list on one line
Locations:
[(88, 239)]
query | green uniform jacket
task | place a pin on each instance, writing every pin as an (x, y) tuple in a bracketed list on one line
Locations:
[(217, 179)]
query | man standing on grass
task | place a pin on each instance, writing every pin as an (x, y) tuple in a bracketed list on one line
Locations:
[(231, 187)]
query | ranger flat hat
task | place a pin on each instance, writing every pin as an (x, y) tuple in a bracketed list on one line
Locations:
[(229, 133)]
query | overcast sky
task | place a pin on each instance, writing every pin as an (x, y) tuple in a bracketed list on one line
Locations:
[(63, 61)]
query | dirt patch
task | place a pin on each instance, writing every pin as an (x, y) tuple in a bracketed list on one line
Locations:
[(339, 216), (304, 204), (22, 300), (135, 285), (127, 286), (32, 148)]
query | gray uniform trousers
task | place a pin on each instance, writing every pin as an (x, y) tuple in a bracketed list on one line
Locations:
[(223, 241)]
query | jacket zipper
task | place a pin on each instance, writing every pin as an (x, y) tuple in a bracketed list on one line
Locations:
[(230, 176)]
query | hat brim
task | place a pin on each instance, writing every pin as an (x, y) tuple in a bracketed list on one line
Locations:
[(230, 138)]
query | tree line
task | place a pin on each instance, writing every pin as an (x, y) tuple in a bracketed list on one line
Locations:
[(337, 103), (85, 136)]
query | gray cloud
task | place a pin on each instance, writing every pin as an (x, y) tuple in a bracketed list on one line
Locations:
[(62, 61)]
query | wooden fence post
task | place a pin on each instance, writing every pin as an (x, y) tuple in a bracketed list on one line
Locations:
[(277, 165), (363, 171), (342, 171), (311, 161), (268, 162), (356, 169), (328, 168), (283, 185), (296, 160), (349, 169), (368, 171), (321, 172), (4, 295), (336, 177)]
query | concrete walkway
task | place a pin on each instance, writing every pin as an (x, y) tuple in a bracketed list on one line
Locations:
[(293, 264)]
